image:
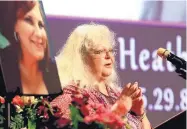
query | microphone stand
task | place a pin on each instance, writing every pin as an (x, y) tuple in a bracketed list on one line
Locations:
[(181, 72)]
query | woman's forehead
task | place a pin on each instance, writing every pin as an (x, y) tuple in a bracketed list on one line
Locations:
[(102, 46)]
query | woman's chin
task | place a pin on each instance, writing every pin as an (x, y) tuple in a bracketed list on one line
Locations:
[(106, 74), (39, 57)]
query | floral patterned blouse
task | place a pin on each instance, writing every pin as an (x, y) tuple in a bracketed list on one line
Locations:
[(95, 97)]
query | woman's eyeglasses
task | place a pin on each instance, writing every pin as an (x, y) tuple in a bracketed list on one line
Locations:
[(103, 53)]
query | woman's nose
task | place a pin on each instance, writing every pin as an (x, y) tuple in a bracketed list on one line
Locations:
[(107, 55), (37, 34)]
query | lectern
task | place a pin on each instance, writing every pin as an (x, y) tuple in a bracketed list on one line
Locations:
[(176, 122)]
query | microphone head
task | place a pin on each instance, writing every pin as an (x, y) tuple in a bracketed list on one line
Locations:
[(163, 53)]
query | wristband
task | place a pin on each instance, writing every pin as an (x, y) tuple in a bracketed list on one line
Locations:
[(140, 117)]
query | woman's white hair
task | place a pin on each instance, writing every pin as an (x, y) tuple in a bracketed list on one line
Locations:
[(71, 61)]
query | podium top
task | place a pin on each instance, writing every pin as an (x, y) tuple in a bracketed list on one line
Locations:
[(176, 122)]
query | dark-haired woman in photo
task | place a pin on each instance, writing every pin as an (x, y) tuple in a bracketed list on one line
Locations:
[(25, 62)]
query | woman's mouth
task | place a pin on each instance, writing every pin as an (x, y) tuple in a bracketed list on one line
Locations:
[(38, 45), (108, 65)]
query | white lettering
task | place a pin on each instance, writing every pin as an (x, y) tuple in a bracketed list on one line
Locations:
[(144, 56), (124, 53), (145, 64)]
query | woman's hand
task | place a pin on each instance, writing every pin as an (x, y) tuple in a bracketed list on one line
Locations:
[(125, 101), (130, 90), (138, 104)]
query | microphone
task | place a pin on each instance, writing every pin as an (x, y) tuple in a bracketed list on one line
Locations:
[(175, 60), (178, 62)]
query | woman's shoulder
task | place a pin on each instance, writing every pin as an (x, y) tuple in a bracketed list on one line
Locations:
[(73, 87)]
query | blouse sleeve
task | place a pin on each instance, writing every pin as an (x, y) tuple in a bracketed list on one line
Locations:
[(63, 101)]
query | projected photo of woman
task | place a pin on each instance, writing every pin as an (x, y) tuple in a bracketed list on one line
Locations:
[(25, 62)]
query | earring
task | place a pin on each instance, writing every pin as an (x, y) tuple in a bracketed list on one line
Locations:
[(16, 36)]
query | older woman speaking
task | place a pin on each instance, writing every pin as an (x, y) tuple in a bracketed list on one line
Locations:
[(88, 56)]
